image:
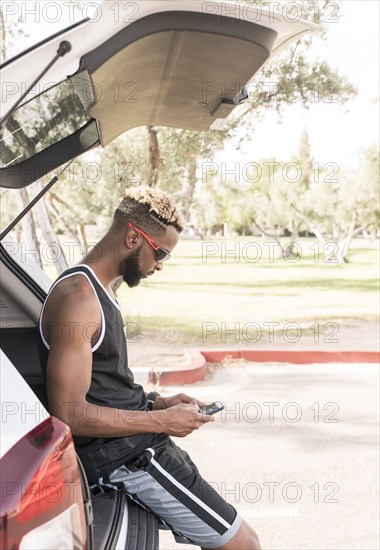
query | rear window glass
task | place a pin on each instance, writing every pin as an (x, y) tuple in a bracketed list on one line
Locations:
[(50, 117)]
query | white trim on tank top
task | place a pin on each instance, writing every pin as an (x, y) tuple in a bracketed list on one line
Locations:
[(100, 283), (102, 333)]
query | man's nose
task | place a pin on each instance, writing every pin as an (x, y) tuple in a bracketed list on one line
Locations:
[(159, 266)]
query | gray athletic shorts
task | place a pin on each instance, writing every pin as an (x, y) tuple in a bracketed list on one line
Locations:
[(166, 482)]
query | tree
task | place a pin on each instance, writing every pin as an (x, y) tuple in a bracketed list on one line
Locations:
[(338, 209), (359, 209), (183, 152), (260, 203), (291, 77), (277, 200), (172, 158), (154, 156), (176, 155)]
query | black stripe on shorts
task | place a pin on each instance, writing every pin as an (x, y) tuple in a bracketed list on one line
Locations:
[(200, 489)]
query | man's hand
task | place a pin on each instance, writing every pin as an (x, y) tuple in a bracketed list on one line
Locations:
[(167, 402), (181, 420)]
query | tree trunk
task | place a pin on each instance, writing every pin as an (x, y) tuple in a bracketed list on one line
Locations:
[(312, 226), (289, 253), (270, 235), (28, 227), (345, 245), (190, 187), (154, 156), (54, 252), (53, 197), (82, 231), (352, 232)]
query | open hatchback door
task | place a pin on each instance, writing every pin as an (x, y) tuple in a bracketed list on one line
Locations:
[(162, 63)]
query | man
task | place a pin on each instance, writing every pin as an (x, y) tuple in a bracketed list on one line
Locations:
[(123, 435)]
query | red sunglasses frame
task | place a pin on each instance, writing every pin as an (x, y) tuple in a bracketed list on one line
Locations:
[(154, 245)]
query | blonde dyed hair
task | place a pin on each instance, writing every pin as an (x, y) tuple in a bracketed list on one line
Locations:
[(152, 208)]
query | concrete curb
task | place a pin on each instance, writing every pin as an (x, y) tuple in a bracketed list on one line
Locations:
[(192, 366)]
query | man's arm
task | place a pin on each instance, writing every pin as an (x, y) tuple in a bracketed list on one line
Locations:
[(74, 319), (165, 402)]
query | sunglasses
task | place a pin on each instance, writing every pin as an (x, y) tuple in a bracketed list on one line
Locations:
[(162, 255)]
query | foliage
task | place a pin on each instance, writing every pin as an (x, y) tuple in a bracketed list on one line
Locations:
[(334, 206)]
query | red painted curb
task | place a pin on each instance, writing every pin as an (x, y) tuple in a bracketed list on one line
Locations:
[(292, 356), (193, 370), (193, 366)]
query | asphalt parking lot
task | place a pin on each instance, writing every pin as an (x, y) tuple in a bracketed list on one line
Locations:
[(296, 451)]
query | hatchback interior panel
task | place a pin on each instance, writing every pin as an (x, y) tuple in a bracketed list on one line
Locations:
[(167, 76)]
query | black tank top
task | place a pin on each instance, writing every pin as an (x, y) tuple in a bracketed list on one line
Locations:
[(112, 382)]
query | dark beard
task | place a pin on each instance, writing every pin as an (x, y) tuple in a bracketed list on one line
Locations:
[(131, 272)]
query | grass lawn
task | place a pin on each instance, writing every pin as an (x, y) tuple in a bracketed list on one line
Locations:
[(195, 296)]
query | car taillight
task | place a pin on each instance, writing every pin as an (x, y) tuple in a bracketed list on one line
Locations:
[(41, 495)]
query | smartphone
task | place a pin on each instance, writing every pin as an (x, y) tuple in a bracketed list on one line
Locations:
[(212, 408)]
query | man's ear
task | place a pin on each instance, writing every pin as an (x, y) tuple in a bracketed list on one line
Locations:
[(130, 237)]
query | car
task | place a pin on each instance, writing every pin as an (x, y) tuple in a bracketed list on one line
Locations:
[(184, 65)]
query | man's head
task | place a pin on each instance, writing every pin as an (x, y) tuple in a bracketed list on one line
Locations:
[(150, 223)]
